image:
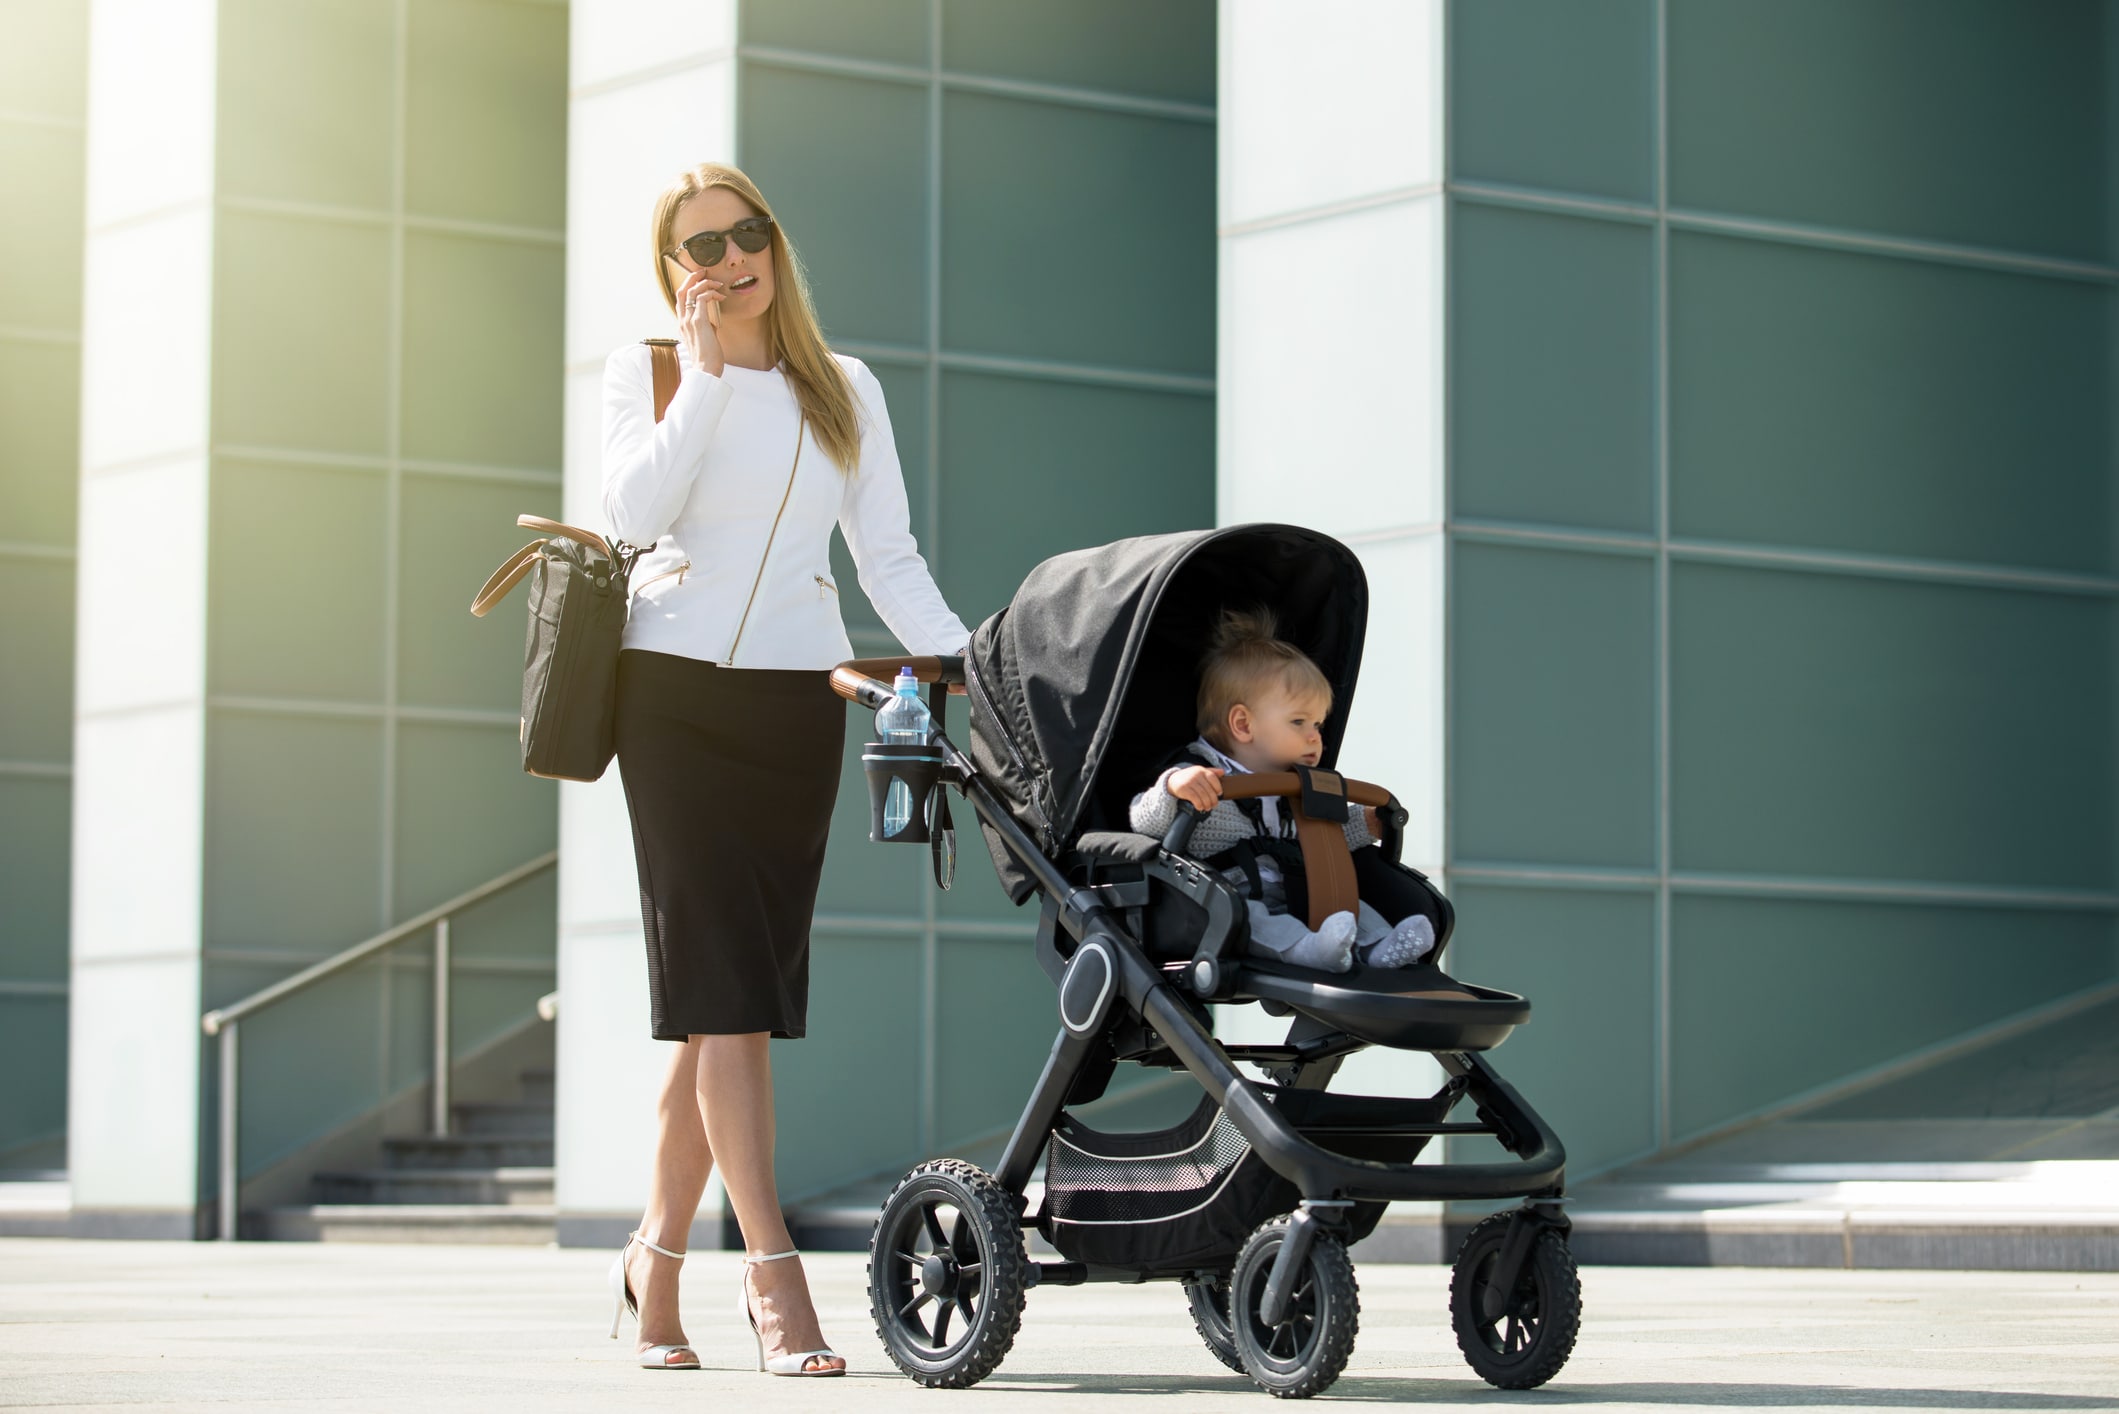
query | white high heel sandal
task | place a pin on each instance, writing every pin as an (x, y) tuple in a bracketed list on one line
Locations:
[(780, 1364), (655, 1357)]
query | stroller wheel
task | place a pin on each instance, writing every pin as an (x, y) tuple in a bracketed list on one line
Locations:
[(947, 1274), (1209, 1299), (1306, 1351), (1520, 1340)]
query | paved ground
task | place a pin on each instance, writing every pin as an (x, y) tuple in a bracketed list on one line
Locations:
[(288, 1326)]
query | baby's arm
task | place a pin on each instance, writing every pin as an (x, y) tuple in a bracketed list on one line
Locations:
[(1155, 809), (1362, 826)]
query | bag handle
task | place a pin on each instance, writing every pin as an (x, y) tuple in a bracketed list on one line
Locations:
[(511, 570), (572, 532), (663, 354)]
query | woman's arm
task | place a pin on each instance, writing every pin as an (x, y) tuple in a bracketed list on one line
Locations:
[(877, 522), (649, 467)]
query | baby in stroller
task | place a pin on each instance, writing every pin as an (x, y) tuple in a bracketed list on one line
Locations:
[(1262, 704)]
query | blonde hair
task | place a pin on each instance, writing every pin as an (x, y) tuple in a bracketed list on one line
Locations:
[(1244, 657), (793, 337)]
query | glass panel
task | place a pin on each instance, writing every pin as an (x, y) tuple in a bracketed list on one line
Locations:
[(486, 112), (1558, 315), (310, 1063), (1032, 467), (1857, 402), (275, 383), (1773, 997), (36, 816), (37, 651), (44, 68), (977, 895), (295, 613), (466, 812), (482, 362), (453, 534), (1554, 93), (998, 1016), (1164, 50), (40, 447), (1552, 708), (905, 396), (1835, 726), (40, 226), (33, 1050), (894, 31), (859, 1068), (293, 831), (855, 207), (1072, 234), (1586, 960), (1985, 125), (307, 97)]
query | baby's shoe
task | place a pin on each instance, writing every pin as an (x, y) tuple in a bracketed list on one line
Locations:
[(1404, 945), (1330, 948)]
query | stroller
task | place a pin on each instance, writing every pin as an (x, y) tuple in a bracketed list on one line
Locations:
[(1077, 692)]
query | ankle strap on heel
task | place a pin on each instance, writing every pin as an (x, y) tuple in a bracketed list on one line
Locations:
[(771, 1257), (656, 1247)]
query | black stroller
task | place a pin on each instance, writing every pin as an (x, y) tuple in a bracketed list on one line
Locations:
[(1077, 692)]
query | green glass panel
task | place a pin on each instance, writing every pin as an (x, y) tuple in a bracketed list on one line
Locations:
[(1771, 997), (1073, 234), (1823, 725), (2064, 1069), (482, 361), (905, 396), (294, 831), (44, 65), (1552, 706), (1586, 961), (1973, 120), (1163, 50), (855, 207), (452, 535), (40, 419), (295, 615), (1554, 314), (37, 649), (1858, 402), (998, 1016), (36, 815), (1031, 467), (486, 112), (466, 812), (40, 226), (275, 383), (310, 1062), (307, 99), (859, 1065), (893, 31), (511, 929), (33, 1050), (977, 895), (1554, 93)]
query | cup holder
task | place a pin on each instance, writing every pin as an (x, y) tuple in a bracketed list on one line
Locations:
[(917, 767)]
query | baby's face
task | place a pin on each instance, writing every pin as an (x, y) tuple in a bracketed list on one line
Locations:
[(1278, 731)]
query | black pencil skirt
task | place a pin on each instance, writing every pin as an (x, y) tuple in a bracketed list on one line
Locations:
[(730, 775)]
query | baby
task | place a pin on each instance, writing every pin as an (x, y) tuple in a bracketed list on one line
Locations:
[(1262, 704)]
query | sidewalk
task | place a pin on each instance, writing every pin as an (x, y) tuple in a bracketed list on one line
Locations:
[(299, 1326)]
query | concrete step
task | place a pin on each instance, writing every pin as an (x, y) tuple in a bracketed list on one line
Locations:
[(498, 1117), (537, 1085), (468, 1151), (521, 1224), (497, 1186)]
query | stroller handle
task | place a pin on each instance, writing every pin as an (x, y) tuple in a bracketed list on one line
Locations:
[(867, 680), (1280, 783)]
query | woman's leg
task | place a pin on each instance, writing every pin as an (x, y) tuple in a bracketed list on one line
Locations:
[(735, 1081), (683, 1159)]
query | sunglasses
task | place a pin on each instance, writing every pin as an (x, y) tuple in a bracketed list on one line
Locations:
[(707, 248)]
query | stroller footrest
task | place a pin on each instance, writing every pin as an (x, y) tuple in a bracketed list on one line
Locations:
[(1413, 1008)]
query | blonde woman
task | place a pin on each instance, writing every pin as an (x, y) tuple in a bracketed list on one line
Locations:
[(729, 737)]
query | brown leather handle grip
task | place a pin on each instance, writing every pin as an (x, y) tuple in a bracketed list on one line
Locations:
[(857, 679), (572, 532), (503, 579), (1234, 787)]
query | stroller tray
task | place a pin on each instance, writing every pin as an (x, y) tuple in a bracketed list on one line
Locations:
[(1409, 1008)]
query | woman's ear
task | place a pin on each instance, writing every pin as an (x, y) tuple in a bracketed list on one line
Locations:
[(1241, 727)]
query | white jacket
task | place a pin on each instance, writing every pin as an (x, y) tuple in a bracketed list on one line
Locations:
[(706, 488)]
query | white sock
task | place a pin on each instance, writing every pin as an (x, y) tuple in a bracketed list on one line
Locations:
[(1329, 949), (1406, 944)]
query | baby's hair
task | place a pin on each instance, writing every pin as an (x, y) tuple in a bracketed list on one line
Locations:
[(1243, 656)]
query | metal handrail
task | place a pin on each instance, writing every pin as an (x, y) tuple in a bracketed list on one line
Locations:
[(223, 1022)]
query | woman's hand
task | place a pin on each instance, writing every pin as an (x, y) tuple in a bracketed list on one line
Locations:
[(699, 319), (1197, 786)]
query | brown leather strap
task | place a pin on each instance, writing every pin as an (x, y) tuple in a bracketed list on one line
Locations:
[(503, 579), (572, 532), (663, 352), (1246, 787), (1328, 866)]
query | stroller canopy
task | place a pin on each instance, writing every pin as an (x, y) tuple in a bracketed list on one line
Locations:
[(1089, 680)]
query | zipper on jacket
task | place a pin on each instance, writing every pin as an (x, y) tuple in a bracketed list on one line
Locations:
[(824, 584), (971, 676), (679, 572), (770, 536)]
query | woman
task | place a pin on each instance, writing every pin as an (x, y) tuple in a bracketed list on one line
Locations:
[(729, 737)]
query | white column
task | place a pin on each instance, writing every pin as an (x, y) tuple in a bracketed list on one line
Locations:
[(652, 86), (1329, 383), (139, 742)]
